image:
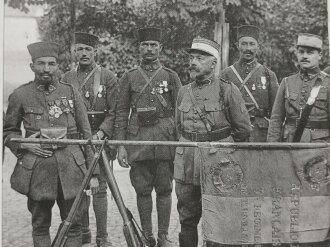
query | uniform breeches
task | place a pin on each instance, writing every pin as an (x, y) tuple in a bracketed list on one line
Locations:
[(100, 207), (146, 176), (41, 220)]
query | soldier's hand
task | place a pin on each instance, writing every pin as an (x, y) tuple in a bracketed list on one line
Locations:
[(122, 157), (35, 148), (94, 185)]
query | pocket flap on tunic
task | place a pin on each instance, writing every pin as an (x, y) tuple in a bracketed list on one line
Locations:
[(320, 133), (211, 106), (184, 107), (79, 158), (33, 110), (293, 95)]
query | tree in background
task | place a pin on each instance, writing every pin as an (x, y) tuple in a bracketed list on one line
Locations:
[(115, 22)]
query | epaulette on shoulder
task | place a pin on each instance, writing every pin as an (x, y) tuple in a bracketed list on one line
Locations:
[(25, 84)]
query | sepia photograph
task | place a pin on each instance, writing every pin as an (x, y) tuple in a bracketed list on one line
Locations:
[(166, 123)]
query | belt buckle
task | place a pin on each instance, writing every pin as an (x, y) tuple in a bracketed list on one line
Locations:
[(194, 136)]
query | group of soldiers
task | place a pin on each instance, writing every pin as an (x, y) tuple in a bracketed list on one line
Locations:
[(243, 103)]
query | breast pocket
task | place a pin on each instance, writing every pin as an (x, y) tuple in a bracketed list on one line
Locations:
[(321, 103), (212, 110), (33, 116)]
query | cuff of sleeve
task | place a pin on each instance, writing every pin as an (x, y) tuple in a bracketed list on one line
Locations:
[(13, 146), (106, 131)]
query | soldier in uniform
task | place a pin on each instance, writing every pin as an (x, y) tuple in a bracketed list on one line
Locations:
[(48, 173), (208, 109), (257, 83), (98, 87), (294, 93), (149, 92)]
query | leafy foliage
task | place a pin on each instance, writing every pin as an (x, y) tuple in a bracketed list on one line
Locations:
[(181, 21)]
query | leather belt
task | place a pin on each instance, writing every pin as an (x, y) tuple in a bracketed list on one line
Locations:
[(216, 135), (259, 113), (68, 136), (310, 123)]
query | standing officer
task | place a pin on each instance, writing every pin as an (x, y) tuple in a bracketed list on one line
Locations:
[(149, 92), (257, 83), (308, 89), (46, 173), (98, 87), (208, 109)]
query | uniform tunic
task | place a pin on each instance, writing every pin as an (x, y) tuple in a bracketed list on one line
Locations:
[(127, 125), (291, 99), (103, 101), (224, 106), (263, 85), (36, 107)]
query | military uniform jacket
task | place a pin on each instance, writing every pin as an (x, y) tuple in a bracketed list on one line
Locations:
[(222, 102), (60, 106), (102, 101), (262, 84), (291, 99), (127, 125)]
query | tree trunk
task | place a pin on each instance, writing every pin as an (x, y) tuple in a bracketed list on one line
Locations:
[(221, 35)]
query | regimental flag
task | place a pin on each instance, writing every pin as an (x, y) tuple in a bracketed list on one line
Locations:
[(265, 196)]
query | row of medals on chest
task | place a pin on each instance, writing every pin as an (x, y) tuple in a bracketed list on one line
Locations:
[(263, 82), (160, 88), (100, 92), (55, 108)]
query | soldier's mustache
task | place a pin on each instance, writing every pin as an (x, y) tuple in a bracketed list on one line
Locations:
[(194, 69), (248, 52)]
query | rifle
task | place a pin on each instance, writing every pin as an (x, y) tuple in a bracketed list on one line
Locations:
[(61, 236), (132, 236)]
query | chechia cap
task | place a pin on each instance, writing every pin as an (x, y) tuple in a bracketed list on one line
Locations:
[(248, 31), (86, 39), (43, 49), (310, 40), (150, 33), (205, 45)]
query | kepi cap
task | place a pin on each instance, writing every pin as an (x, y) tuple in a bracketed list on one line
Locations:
[(248, 31), (205, 45), (150, 33), (310, 40), (43, 49), (86, 39)]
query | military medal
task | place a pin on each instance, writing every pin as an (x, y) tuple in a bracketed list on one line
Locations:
[(56, 115), (57, 102), (99, 95), (51, 111), (87, 94), (165, 86), (153, 91), (253, 87), (263, 81), (50, 103), (65, 102), (67, 110), (161, 91), (70, 103)]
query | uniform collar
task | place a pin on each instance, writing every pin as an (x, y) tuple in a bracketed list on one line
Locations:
[(87, 69), (150, 66), (46, 88), (206, 81), (247, 65), (309, 74)]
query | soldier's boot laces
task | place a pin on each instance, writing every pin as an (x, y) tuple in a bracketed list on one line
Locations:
[(163, 241)]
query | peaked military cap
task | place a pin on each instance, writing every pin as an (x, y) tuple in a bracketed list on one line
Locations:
[(310, 40), (248, 31), (86, 39), (43, 49), (205, 45), (150, 33)]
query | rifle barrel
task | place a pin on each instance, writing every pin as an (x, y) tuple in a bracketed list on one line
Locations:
[(236, 145)]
